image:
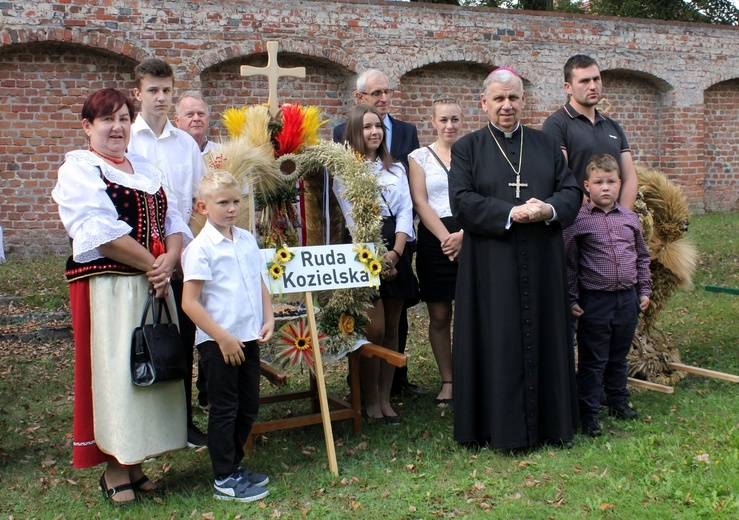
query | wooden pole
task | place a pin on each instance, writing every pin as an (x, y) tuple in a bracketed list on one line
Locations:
[(321, 383), (651, 386), (704, 372)]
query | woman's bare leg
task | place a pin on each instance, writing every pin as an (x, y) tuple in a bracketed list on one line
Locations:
[(440, 336)]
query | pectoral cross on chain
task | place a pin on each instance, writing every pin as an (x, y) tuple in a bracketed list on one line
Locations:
[(518, 185), (273, 72)]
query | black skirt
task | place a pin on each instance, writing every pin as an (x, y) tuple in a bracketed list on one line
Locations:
[(405, 285), (436, 274)]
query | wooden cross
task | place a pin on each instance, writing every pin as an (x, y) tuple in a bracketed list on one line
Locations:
[(273, 72), (518, 185)]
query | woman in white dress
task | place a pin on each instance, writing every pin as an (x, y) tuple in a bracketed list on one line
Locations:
[(125, 242), (439, 235)]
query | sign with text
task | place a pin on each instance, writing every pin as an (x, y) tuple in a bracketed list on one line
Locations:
[(316, 268)]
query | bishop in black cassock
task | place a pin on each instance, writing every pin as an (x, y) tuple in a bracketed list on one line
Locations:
[(512, 192)]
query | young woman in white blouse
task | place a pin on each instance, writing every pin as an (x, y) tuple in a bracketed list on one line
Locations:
[(365, 134), (439, 235)]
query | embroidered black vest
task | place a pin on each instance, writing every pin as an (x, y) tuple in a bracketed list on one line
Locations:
[(143, 212)]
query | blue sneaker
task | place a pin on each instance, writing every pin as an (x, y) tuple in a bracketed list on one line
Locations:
[(238, 489), (257, 479)]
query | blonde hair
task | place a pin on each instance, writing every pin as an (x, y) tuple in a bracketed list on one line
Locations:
[(444, 101), (217, 179)]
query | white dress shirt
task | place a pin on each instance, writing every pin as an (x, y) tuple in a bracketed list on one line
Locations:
[(397, 198), (232, 281), (177, 155)]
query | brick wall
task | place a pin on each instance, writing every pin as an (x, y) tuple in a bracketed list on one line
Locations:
[(721, 137), (673, 87)]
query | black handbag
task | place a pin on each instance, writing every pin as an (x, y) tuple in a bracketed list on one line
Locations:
[(156, 348)]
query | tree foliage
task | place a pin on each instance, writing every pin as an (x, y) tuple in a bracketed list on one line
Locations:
[(706, 11)]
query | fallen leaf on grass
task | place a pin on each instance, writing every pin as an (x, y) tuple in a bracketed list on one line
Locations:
[(703, 457), (478, 486), (208, 516), (605, 506)]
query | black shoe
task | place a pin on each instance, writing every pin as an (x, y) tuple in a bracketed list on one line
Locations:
[(195, 438), (622, 411), (561, 443), (591, 426), (411, 389), (391, 420)]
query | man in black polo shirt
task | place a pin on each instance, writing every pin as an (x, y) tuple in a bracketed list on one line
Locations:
[(582, 131)]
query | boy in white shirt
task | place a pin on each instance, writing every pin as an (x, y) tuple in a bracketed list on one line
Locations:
[(226, 298)]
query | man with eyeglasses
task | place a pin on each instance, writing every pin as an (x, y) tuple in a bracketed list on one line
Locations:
[(401, 138), (373, 89)]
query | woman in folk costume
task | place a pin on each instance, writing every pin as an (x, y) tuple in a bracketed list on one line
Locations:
[(125, 243), (365, 134)]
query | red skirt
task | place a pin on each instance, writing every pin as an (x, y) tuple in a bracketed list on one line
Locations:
[(85, 453)]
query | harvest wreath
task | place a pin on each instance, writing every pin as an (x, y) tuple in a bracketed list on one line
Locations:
[(268, 156)]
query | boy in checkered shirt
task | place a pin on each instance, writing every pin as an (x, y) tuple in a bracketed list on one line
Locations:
[(609, 284)]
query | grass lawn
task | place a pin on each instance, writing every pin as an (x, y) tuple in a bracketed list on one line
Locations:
[(680, 460)]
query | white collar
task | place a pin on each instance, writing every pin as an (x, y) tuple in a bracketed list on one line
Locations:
[(140, 125), (216, 236), (146, 176), (507, 135)]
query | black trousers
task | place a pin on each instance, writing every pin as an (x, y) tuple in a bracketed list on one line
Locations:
[(233, 393), (604, 335), (187, 334)]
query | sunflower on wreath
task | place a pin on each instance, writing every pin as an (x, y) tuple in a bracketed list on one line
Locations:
[(373, 264), (276, 267)]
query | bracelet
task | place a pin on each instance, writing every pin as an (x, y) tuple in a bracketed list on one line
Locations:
[(394, 251)]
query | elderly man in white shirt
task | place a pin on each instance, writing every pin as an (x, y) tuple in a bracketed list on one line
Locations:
[(193, 117)]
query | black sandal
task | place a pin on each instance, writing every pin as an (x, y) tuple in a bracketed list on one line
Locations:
[(443, 403), (109, 493), (142, 482)]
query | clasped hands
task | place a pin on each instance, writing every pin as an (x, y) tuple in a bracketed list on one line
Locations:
[(533, 210), (451, 246), (161, 272), (389, 271)]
